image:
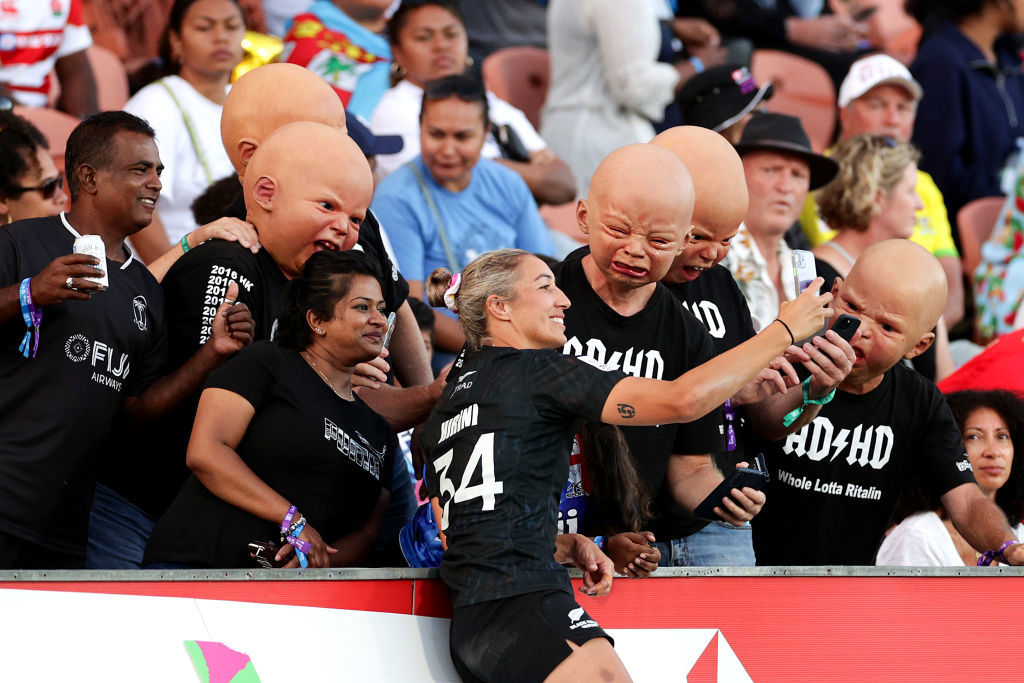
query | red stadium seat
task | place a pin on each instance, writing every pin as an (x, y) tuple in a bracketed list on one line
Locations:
[(55, 125), (520, 76), (563, 219), (975, 222), (803, 89), (111, 78)]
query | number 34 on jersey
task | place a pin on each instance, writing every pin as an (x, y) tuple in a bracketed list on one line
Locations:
[(482, 459)]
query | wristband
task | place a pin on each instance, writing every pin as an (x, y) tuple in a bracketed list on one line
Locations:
[(792, 415), (792, 339), (33, 318), (286, 524), (184, 243), (989, 556), (698, 64), (599, 542), (301, 547)]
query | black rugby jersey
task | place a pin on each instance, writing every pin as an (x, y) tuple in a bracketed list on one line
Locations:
[(497, 447)]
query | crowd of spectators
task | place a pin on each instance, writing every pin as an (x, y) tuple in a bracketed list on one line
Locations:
[(247, 373)]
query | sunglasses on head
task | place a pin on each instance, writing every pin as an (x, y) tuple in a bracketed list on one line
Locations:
[(47, 189), (465, 88)]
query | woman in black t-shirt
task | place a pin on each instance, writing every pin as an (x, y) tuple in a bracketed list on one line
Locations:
[(281, 442), (497, 448)]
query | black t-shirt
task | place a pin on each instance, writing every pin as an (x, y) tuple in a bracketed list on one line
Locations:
[(329, 457), (715, 300), (56, 407), (498, 447), (662, 341), (834, 482), (195, 286)]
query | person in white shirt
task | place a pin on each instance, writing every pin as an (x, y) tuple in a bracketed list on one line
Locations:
[(428, 41), (991, 422), (204, 44), (780, 169)]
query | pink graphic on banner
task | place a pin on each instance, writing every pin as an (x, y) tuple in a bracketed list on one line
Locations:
[(217, 663)]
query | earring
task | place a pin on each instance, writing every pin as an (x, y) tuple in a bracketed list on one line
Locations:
[(396, 70), (469, 61), (318, 330)]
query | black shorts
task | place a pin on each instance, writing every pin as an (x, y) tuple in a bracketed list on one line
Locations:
[(518, 639)]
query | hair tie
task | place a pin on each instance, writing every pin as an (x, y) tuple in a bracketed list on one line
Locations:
[(449, 294)]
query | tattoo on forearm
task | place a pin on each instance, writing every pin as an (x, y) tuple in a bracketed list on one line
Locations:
[(627, 411)]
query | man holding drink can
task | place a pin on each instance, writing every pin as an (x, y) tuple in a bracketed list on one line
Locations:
[(88, 349)]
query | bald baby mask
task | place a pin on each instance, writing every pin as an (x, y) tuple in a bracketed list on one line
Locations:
[(269, 97), (303, 203)]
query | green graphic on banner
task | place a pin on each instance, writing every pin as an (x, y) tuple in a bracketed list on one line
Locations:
[(217, 663)]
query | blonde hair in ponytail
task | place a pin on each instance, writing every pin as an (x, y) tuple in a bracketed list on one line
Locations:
[(493, 273)]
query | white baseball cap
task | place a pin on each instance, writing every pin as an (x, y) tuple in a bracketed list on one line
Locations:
[(873, 71)]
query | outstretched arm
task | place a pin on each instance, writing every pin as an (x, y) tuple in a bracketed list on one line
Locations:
[(641, 402)]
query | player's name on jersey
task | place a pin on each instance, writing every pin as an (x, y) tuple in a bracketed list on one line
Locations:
[(467, 417), (834, 488)]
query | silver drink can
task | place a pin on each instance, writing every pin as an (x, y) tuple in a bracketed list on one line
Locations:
[(93, 246)]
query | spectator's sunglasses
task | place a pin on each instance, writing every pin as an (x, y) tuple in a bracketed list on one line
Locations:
[(47, 189), (466, 88)]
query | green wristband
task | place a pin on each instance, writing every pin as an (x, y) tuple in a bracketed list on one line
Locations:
[(184, 244), (794, 414)]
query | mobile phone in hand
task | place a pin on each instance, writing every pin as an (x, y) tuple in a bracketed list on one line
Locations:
[(755, 477)]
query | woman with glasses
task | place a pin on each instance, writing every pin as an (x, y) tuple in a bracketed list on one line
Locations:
[(448, 206), (428, 41), (201, 47), (30, 184)]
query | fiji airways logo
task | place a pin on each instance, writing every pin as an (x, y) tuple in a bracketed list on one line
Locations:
[(110, 367)]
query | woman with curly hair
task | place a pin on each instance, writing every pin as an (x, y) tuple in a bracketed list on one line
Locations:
[(873, 197), (992, 423)]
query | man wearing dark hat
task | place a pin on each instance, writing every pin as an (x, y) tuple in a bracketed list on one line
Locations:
[(723, 98), (780, 169)]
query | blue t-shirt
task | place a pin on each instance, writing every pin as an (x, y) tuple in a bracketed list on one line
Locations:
[(355, 61), (495, 211)]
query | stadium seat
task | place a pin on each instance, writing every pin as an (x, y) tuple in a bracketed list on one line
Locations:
[(562, 217), (520, 76), (975, 222), (55, 125), (111, 78), (802, 89)]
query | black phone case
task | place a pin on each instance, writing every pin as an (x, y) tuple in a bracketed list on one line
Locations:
[(737, 479)]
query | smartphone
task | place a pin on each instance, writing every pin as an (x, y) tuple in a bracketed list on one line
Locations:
[(845, 326), (804, 270), (391, 329), (755, 477)]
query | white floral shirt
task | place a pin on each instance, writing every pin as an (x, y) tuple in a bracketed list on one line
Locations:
[(750, 271)]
